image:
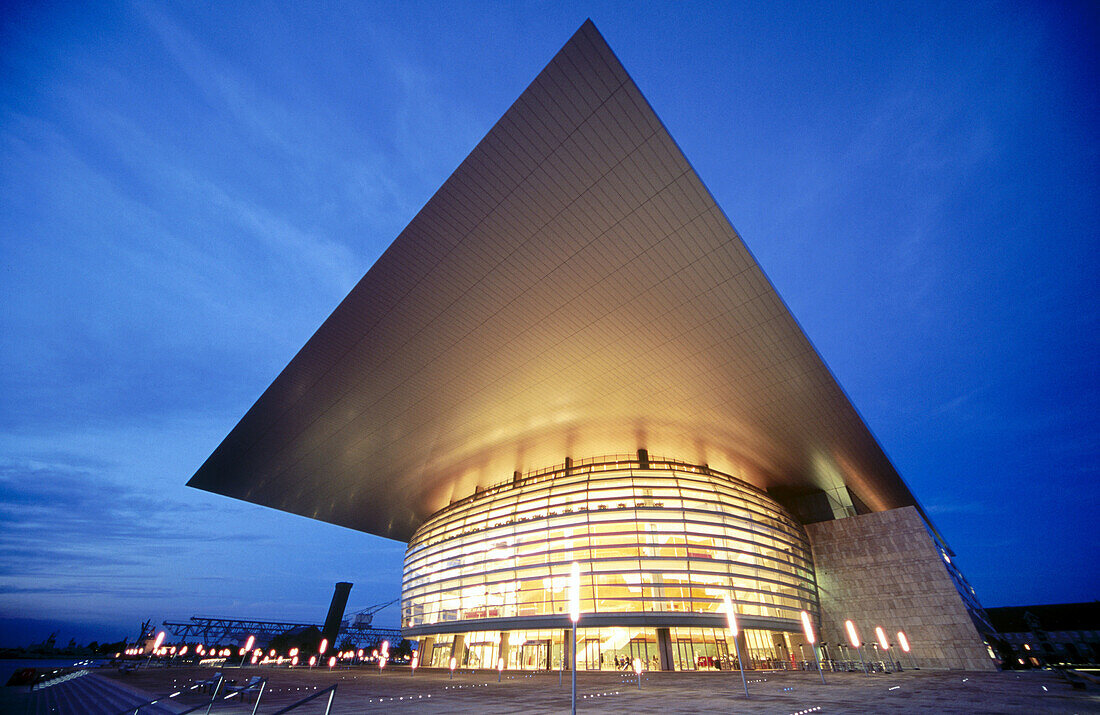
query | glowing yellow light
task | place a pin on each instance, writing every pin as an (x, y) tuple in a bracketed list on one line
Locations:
[(731, 614), (294, 660), (323, 647), (853, 637), (500, 663), (454, 662), (807, 627), (332, 661), (416, 660), (159, 640), (638, 666), (312, 660), (575, 592), (360, 652), (903, 641), (293, 652), (881, 635), (251, 641)]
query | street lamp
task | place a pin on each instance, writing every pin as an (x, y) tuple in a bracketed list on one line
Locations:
[(853, 638), (247, 647), (885, 644), (574, 616), (415, 662), (638, 671), (808, 629), (731, 621), (454, 662), (904, 643)]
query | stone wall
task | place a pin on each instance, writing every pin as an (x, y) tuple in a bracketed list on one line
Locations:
[(884, 569)]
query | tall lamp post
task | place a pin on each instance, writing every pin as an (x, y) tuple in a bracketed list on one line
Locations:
[(574, 616), (904, 643), (808, 629), (885, 644), (731, 621), (247, 648), (853, 638)]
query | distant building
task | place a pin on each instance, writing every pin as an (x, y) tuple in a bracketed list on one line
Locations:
[(569, 355), (1055, 634)]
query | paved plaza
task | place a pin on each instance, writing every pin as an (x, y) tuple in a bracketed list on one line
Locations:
[(364, 690)]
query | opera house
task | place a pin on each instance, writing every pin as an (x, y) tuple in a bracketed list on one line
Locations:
[(569, 355)]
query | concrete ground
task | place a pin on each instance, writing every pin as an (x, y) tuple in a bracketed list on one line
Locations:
[(364, 690)]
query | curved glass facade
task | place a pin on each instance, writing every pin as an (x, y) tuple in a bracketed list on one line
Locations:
[(655, 538)]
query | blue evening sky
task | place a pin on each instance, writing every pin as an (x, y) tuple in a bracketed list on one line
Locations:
[(187, 191)]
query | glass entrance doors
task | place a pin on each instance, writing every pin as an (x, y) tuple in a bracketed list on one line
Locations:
[(588, 654), (535, 655)]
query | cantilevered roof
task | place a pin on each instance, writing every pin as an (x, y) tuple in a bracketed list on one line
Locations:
[(571, 290)]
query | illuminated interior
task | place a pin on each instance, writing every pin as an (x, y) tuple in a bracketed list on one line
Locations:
[(656, 540)]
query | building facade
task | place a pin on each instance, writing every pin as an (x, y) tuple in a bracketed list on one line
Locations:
[(574, 291), (659, 543)]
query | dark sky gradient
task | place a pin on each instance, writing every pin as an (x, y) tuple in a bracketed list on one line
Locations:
[(187, 192)]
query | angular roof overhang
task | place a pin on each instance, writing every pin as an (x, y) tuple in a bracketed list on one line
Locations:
[(571, 290)]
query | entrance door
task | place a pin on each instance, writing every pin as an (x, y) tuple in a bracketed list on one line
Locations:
[(685, 654), (533, 655), (481, 655), (724, 655), (588, 656)]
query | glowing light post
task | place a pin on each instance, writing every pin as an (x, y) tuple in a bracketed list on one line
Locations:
[(323, 647), (574, 615), (853, 638), (247, 647), (731, 621), (156, 645), (885, 644), (384, 656), (312, 661), (454, 662), (500, 669), (638, 671), (808, 629), (904, 643), (415, 662)]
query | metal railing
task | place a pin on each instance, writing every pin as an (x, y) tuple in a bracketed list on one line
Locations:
[(59, 679), (331, 690), (135, 709)]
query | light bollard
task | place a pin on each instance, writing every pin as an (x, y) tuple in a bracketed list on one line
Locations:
[(415, 662), (808, 629), (853, 638), (638, 671), (731, 622), (454, 662), (500, 669)]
